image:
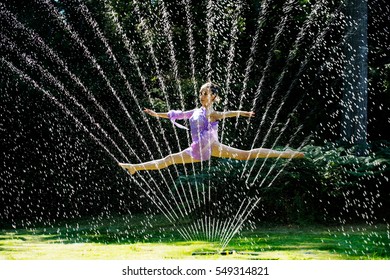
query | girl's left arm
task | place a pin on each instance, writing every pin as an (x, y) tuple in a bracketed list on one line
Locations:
[(230, 114)]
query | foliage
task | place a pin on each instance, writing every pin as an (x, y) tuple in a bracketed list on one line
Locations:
[(331, 185)]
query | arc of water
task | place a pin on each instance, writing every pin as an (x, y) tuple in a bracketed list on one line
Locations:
[(229, 222), (231, 55), (199, 230), (149, 43), (210, 23), (199, 225), (62, 88), (210, 35), (291, 56), (319, 38), (213, 229), (207, 229), (168, 32), (240, 222), (222, 228), (184, 234), (204, 227), (281, 27), (134, 61), (295, 134), (237, 227), (75, 36), (217, 230), (194, 230), (273, 166), (273, 145), (301, 69), (27, 78), (230, 231), (175, 200), (79, 41), (210, 228), (261, 18), (191, 44), (303, 66), (80, 124), (31, 62), (191, 47), (52, 54), (94, 24), (56, 59)]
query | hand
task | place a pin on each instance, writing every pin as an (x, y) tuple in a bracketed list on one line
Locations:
[(250, 114), (150, 112)]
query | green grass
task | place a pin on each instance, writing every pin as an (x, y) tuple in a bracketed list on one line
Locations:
[(130, 238)]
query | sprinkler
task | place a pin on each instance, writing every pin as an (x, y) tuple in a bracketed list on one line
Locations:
[(223, 253)]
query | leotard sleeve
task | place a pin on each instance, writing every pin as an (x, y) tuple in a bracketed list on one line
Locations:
[(179, 115), (174, 115)]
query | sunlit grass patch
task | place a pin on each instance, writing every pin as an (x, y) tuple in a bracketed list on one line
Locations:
[(113, 239)]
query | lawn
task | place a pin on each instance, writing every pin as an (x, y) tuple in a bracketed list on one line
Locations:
[(133, 238)]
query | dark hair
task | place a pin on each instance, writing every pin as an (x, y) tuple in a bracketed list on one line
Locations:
[(214, 89)]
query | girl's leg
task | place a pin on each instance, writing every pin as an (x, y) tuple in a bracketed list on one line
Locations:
[(181, 157), (224, 151)]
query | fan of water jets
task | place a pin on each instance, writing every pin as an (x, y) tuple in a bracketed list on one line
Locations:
[(192, 204)]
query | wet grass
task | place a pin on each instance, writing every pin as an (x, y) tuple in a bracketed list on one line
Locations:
[(132, 238)]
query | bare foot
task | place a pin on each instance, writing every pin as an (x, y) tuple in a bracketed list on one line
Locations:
[(129, 167)]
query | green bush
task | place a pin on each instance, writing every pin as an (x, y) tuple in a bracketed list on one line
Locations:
[(331, 185)]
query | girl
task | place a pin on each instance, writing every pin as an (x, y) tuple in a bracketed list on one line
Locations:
[(204, 134)]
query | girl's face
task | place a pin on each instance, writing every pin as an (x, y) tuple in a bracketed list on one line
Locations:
[(206, 97)]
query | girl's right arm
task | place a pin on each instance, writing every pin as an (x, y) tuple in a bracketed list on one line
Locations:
[(230, 114), (157, 115)]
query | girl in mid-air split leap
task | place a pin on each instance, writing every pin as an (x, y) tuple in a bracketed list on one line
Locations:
[(204, 134)]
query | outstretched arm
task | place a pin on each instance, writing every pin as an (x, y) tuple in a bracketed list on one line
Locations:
[(157, 115), (230, 114)]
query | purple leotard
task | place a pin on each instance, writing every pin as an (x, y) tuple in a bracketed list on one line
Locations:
[(203, 132)]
